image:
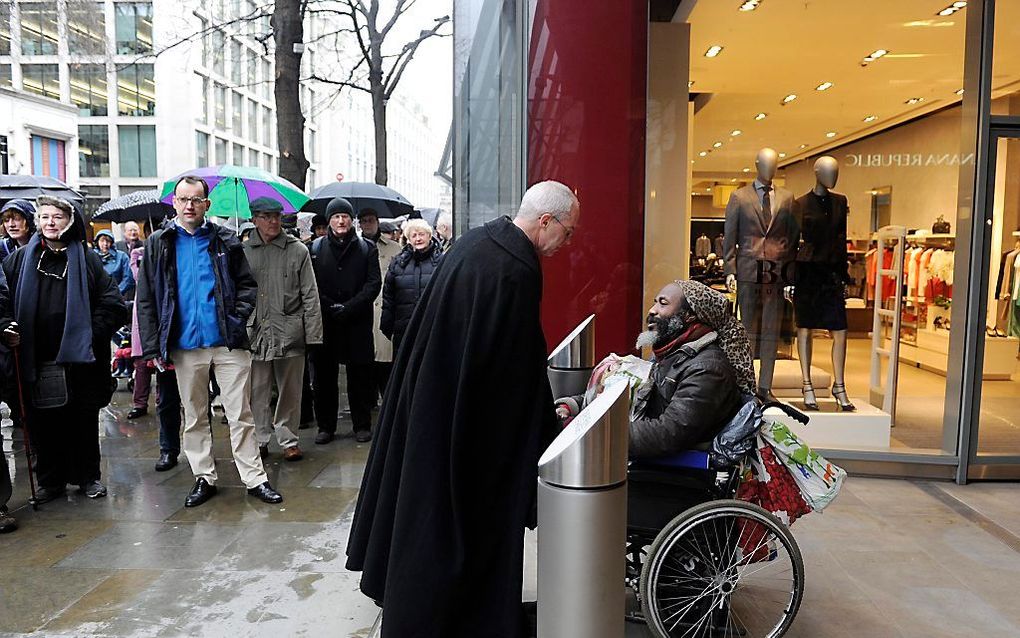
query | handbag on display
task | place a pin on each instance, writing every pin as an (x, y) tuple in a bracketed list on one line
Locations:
[(941, 226)]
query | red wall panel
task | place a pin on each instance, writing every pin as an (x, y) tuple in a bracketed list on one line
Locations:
[(586, 128)]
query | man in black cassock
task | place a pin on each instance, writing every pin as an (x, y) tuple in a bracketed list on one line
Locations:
[(439, 527)]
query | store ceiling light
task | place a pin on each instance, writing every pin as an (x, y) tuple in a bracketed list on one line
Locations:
[(747, 170), (803, 146), (702, 153), (824, 86), (749, 5), (789, 98), (713, 51), (960, 92), (874, 55), (953, 8), (871, 118), (831, 134), (717, 145), (914, 100), (735, 132), (690, 83), (782, 155), (761, 116)]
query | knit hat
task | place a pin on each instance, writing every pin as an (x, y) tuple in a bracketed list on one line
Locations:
[(23, 207), (368, 212), (319, 219), (339, 206), (265, 205)]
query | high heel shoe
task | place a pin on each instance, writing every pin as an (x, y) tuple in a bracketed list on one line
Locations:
[(839, 393), (808, 391)]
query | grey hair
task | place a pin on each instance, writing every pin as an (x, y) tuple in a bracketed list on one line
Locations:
[(547, 197), (419, 224), (444, 218), (56, 202)]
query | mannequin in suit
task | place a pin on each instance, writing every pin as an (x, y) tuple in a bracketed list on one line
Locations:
[(760, 244)]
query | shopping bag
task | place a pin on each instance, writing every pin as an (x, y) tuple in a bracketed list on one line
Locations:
[(768, 483), (819, 481), (614, 368)]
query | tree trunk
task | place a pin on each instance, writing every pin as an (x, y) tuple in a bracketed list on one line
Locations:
[(379, 119), (290, 122)]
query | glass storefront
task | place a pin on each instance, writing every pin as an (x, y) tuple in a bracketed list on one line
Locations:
[(882, 257)]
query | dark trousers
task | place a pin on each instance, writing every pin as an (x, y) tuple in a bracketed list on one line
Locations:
[(761, 312), (360, 388), (307, 394), (66, 443), (381, 376), (6, 489), (168, 409), (143, 384)]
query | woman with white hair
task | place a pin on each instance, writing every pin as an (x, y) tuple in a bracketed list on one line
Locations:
[(406, 278)]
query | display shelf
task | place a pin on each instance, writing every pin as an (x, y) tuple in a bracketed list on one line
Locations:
[(867, 428), (931, 353)]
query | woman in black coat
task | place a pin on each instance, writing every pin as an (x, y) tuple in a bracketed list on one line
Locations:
[(64, 353), (406, 279)]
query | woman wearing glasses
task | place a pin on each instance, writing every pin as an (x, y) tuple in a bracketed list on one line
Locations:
[(63, 310)]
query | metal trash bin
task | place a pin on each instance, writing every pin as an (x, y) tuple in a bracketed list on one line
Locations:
[(582, 522), (572, 361)]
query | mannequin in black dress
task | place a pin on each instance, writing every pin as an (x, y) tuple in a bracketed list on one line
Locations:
[(821, 278)]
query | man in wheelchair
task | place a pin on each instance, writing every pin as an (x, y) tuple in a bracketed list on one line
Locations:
[(701, 373)]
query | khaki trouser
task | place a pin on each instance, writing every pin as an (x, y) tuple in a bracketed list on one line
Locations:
[(289, 375), (233, 374)]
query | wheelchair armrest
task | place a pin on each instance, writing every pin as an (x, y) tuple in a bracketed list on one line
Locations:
[(689, 459)]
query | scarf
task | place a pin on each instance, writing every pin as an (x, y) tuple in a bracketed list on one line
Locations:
[(712, 309), (692, 333), (76, 342)]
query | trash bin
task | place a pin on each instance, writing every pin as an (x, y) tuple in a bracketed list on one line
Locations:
[(582, 522), (572, 361)]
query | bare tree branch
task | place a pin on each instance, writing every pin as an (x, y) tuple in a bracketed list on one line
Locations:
[(407, 53)]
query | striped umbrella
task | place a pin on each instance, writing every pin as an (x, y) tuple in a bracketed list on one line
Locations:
[(233, 188)]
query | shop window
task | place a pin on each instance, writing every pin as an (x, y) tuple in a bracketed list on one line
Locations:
[(137, 145), (220, 151), (38, 28), (201, 149), (48, 157), (133, 26), (86, 28), (93, 150), (136, 90), (88, 88), (237, 108), (41, 79)]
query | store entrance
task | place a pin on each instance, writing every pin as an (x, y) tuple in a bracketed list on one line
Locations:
[(994, 442)]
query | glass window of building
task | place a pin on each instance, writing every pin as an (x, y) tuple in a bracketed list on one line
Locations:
[(41, 79), (237, 155), (93, 150), (266, 123), (201, 149), (218, 52), (237, 108), (220, 151), (5, 34), (137, 146), (312, 147), (38, 28), (268, 80), (86, 28), (4, 156), (5, 76), (89, 89), (251, 70), (133, 27), (136, 90), (203, 29), (220, 106), (236, 62), (253, 158), (253, 122), (203, 84)]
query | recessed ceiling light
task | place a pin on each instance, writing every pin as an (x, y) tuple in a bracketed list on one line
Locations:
[(733, 179), (874, 55), (702, 153), (713, 51), (914, 100), (803, 146), (824, 86), (953, 8), (690, 83), (789, 98), (747, 170), (871, 118), (717, 145), (735, 132), (960, 4), (830, 134), (761, 116), (960, 92), (782, 155), (749, 5)]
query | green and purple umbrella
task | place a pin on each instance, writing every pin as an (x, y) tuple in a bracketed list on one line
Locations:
[(233, 188)]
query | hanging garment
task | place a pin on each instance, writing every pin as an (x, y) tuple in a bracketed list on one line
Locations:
[(702, 247), (924, 275), (1014, 313)]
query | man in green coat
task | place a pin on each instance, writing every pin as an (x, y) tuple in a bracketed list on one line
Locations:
[(287, 318)]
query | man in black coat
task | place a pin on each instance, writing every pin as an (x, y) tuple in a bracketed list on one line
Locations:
[(449, 484), (347, 272)]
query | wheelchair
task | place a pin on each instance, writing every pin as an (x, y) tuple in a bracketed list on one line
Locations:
[(700, 562)]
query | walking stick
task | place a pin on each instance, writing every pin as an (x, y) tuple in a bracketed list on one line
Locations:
[(24, 425)]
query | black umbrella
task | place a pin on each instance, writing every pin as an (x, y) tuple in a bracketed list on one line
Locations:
[(385, 201), (32, 186), (134, 207)]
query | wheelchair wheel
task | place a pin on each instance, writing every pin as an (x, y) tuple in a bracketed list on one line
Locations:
[(722, 568)]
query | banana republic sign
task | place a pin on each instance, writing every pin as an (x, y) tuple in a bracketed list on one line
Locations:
[(886, 160)]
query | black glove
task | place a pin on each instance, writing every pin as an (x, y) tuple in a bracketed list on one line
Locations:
[(337, 310)]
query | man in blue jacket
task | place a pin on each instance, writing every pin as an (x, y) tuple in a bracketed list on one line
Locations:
[(195, 294)]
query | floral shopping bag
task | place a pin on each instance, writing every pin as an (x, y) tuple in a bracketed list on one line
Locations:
[(819, 480)]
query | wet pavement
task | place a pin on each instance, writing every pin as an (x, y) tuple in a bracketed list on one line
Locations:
[(888, 559)]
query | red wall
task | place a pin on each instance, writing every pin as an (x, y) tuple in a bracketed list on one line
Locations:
[(586, 128)]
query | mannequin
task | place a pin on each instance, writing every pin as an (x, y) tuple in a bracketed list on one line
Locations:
[(760, 242), (822, 276)]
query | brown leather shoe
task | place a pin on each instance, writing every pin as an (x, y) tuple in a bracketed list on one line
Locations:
[(293, 454)]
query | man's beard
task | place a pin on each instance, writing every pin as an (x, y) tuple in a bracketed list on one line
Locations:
[(662, 331)]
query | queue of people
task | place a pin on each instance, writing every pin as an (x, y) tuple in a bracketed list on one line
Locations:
[(206, 313)]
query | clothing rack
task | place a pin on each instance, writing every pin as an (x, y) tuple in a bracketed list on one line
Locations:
[(884, 395)]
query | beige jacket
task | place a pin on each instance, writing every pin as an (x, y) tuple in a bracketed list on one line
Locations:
[(383, 346), (287, 314)]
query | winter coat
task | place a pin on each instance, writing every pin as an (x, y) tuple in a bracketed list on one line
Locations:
[(118, 266), (156, 298), (287, 314), (388, 249), (408, 274), (347, 273), (691, 394)]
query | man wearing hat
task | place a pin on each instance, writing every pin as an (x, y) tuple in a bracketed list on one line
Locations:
[(287, 319), (368, 219), (347, 272), (319, 225)]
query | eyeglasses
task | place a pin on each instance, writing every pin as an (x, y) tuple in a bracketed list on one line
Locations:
[(184, 201), (568, 231)]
